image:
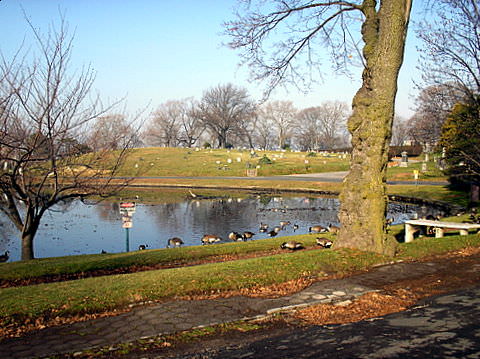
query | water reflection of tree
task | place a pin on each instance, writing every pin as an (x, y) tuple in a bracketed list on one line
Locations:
[(108, 211), (169, 213)]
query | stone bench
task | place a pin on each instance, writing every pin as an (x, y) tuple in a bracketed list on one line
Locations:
[(412, 226)]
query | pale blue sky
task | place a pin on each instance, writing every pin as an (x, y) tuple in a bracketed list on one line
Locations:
[(152, 51)]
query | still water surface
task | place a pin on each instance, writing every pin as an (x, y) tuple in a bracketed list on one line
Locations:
[(79, 228)]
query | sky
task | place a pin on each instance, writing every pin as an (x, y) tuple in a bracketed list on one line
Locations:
[(153, 51)]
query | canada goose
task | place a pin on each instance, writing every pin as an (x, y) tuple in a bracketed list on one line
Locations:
[(318, 229), (333, 229), (283, 224), (263, 227), (4, 257), (235, 236), (248, 235), (292, 245), (277, 229), (104, 251), (295, 227), (210, 238), (272, 233), (388, 223), (324, 242), (174, 242), (142, 247)]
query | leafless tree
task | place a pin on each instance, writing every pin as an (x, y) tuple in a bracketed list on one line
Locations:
[(191, 127), (282, 115), (306, 131), (264, 137), (278, 37), (112, 132), (165, 125), (433, 105), (46, 110), (224, 109), (451, 51), (332, 118), (320, 127), (400, 131)]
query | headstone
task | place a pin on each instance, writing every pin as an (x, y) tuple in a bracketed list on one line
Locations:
[(404, 161), (424, 166), (475, 193)]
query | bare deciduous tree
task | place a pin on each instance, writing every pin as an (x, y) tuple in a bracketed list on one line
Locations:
[(282, 115), (306, 132), (323, 124), (224, 109), (44, 121), (164, 127), (263, 133), (451, 53), (400, 131), (293, 30), (191, 127), (433, 105), (112, 132)]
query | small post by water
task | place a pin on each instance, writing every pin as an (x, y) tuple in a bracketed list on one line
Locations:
[(127, 209), (127, 240)]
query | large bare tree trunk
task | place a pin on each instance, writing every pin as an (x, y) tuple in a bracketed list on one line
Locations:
[(363, 198), (30, 228), (27, 246)]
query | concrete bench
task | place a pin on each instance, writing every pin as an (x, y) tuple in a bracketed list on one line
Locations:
[(412, 226)]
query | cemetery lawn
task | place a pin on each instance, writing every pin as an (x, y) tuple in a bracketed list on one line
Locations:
[(185, 162)]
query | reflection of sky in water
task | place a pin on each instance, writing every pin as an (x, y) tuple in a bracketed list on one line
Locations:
[(83, 229)]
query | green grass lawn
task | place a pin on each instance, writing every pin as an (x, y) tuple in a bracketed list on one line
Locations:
[(165, 161), (161, 161)]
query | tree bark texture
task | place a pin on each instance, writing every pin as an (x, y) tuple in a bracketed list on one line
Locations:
[(363, 198)]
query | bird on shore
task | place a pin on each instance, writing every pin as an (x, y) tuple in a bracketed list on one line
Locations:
[(318, 229), (277, 229), (104, 251), (174, 242), (4, 257), (247, 235), (210, 239), (272, 233), (283, 224), (324, 242), (235, 236), (333, 229), (292, 245), (142, 247), (263, 227), (295, 227)]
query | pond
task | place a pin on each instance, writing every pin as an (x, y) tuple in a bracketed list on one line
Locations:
[(82, 228)]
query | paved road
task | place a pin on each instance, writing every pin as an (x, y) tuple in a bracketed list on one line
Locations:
[(446, 326), (311, 177)]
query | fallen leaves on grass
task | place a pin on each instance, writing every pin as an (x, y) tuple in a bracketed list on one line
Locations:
[(369, 305)]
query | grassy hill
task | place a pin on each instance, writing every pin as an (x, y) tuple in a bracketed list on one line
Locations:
[(162, 161)]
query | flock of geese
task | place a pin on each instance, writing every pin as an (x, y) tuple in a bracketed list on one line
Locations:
[(264, 228)]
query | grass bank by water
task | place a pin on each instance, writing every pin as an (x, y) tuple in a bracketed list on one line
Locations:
[(106, 293)]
